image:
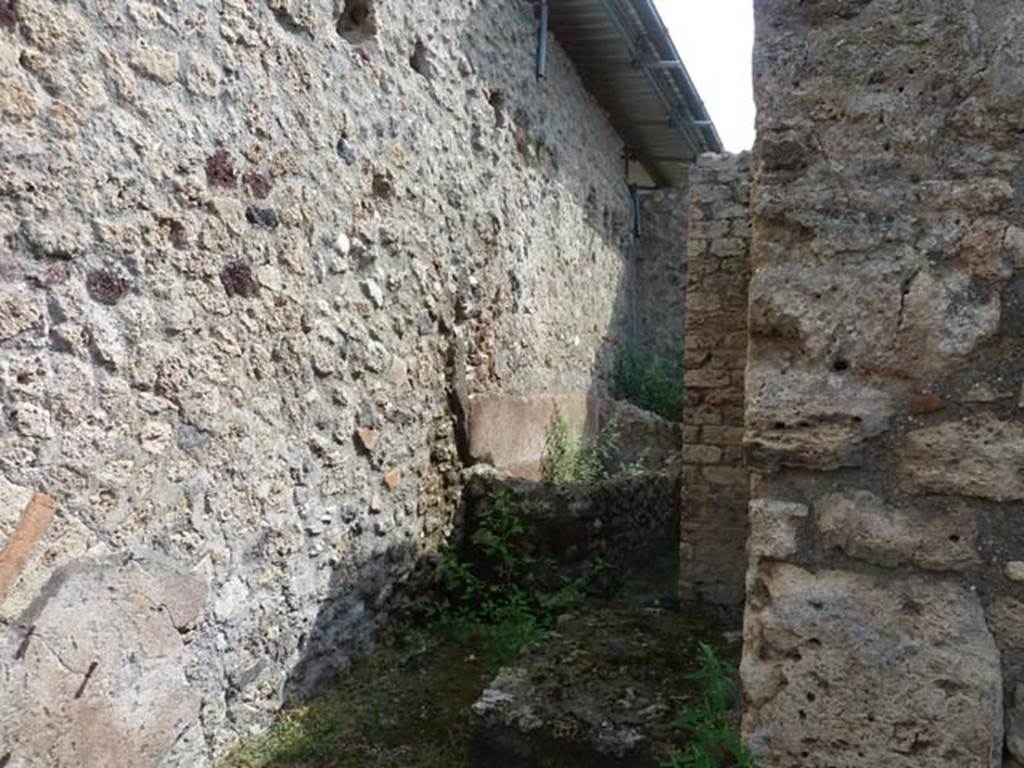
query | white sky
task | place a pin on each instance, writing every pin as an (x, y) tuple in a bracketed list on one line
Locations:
[(715, 39)]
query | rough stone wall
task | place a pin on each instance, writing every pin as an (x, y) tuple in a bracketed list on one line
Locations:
[(657, 278), (247, 249), (885, 420), (715, 481)]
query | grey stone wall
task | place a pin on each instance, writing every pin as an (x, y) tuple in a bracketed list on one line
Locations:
[(247, 250), (657, 277), (884, 418), (713, 521)]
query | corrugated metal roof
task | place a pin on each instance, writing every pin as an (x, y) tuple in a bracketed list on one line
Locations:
[(627, 59)]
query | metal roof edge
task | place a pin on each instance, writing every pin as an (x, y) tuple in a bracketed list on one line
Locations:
[(625, 56)]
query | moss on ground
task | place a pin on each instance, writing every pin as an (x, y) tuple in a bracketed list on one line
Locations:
[(398, 708)]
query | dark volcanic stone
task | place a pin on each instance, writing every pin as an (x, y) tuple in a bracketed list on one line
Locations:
[(258, 184), (8, 18), (220, 170), (106, 286), (345, 152), (262, 217), (238, 280)]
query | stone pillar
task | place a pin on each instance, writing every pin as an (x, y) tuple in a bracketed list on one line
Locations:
[(714, 498), (884, 424)]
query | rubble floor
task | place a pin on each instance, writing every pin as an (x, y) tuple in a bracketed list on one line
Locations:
[(611, 673), (603, 691)]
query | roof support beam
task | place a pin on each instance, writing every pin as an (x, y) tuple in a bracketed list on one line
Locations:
[(664, 65), (615, 14)]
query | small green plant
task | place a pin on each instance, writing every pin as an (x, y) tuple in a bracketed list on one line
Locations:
[(493, 600), (651, 382), (569, 459), (714, 740), (637, 467), (381, 710), (602, 578)]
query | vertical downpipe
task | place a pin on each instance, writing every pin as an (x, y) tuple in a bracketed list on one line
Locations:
[(542, 40), (634, 193)]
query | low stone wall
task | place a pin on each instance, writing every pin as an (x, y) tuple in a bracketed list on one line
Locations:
[(626, 521), (714, 513), (884, 421)]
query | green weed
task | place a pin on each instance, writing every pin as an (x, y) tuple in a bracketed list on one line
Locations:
[(714, 740), (651, 382), (570, 459), (493, 601)]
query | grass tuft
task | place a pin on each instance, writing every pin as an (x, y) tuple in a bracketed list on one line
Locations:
[(650, 382)]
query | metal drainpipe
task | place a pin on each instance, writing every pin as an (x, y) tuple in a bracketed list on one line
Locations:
[(634, 192), (542, 40)]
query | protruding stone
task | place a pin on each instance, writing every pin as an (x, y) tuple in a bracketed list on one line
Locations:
[(262, 217), (1013, 241), (813, 420), (373, 292), (392, 479), (982, 457), (269, 277), (773, 528), (20, 311), (366, 437), (864, 527), (154, 62), (1015, 570), (1006, 616)]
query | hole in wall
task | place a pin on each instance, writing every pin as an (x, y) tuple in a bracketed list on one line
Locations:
[(420, 60), (496, 98), (357, 21), (840, 364), (383, 187)]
